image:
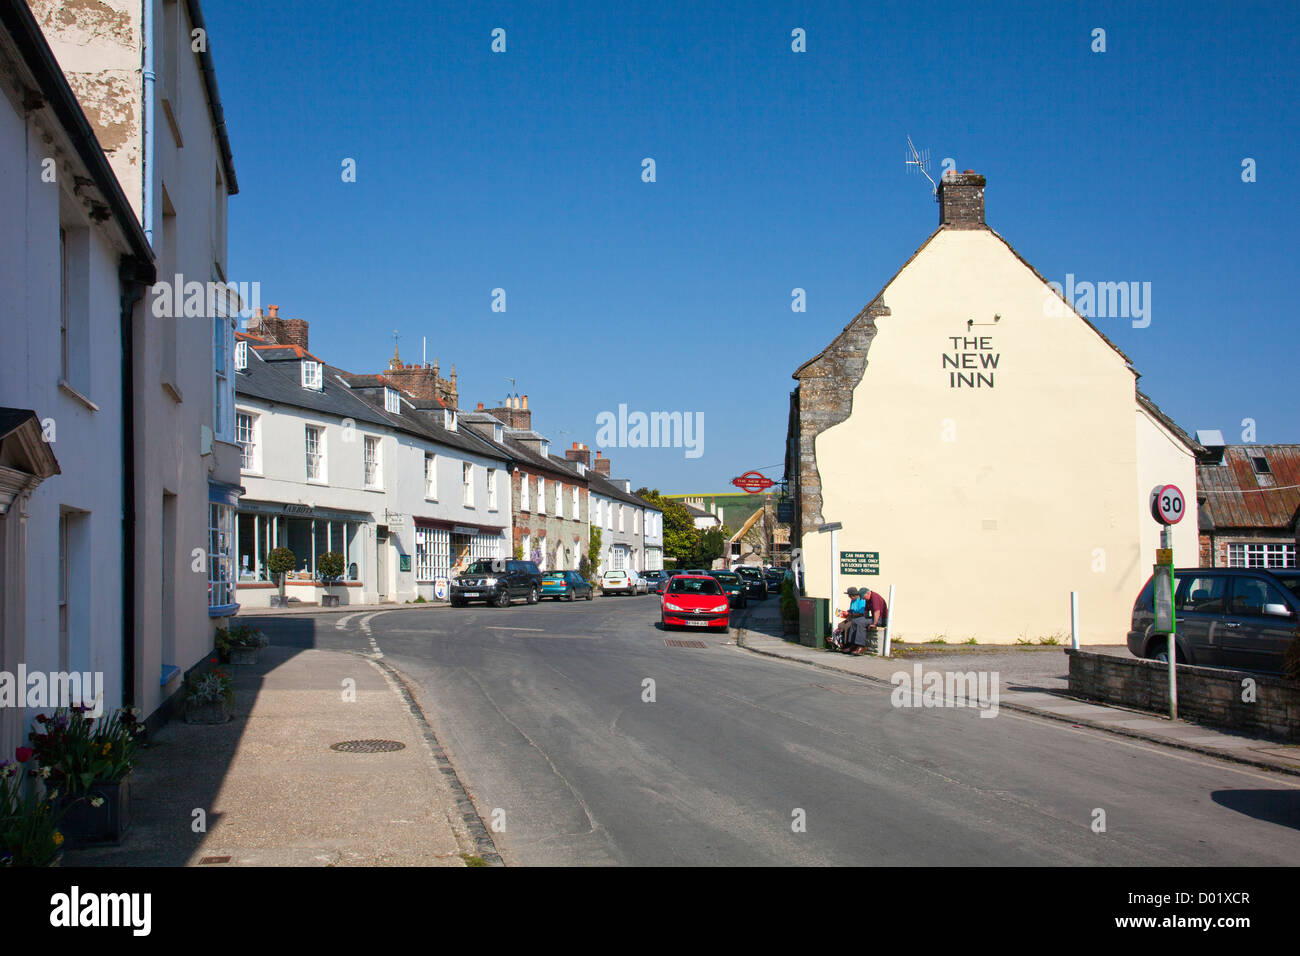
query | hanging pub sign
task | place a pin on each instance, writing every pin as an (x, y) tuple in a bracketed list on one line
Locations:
[(785, 511), (752, 482)]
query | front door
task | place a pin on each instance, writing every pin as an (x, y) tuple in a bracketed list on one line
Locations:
[(381, 561)]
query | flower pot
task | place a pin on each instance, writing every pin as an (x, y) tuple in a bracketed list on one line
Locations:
[(207, 712), (84, 824), (244, 655), (329, 600)]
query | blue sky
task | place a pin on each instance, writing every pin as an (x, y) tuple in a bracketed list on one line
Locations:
[(775, 170)]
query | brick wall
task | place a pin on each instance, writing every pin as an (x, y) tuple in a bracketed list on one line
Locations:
[(961, 200), (1206, 695)]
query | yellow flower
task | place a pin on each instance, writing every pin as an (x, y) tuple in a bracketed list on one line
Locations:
[(58, 838), (107, 747)]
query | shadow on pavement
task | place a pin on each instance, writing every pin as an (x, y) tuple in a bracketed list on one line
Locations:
[(1272, 806)]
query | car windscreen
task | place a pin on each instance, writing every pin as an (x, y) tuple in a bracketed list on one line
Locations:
[(726, 577), (749, 572), (483, 567), (694, 586), (1291, 582)]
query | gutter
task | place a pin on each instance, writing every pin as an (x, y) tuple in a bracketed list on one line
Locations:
[(209, 70)]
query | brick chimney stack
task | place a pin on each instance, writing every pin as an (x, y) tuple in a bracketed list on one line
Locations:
[(278, 330), (423, 381), (601, 465), (961, 200), (514, 413), (579, 452)]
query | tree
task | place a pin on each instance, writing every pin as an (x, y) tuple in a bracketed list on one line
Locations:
[(593, 552), (681, 537), (280, 561)]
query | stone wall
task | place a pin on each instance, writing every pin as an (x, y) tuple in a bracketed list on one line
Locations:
[(1207, 695)]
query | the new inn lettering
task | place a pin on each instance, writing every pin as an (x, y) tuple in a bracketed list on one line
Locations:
[(972, 361)]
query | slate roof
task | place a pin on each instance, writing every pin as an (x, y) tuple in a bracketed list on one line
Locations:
[(1235, 496), (274, 380), (604, 487)]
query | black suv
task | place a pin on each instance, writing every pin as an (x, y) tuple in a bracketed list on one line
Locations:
[(755, 583), (1242, 618), (496, 581)]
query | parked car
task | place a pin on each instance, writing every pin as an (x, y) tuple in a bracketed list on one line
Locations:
[(754, 581), (497, 581), (655, 580), (774, 577), (695, 600), (566, 585), (1242, 618), (736, 589), (623, 582)]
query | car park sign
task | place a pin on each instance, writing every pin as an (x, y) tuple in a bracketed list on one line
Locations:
[(1167, 504), (753, 482)]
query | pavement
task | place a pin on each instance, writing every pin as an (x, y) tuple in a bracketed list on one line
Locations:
[(1031, 680), (266, 789)]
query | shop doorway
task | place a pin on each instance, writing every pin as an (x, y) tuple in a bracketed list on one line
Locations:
[(381, 561)]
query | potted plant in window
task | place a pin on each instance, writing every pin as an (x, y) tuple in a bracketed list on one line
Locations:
[(86, 762), (29, 815), (280, 561), (330, 568), (208, 696), (239, 644)]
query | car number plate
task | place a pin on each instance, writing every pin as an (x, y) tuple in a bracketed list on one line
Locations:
[(697, 623), (470, 594)]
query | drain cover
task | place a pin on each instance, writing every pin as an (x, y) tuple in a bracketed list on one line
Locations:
[(367, 746), (672, 643)]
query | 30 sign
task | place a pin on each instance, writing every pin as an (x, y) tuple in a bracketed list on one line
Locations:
[(1167, 504)]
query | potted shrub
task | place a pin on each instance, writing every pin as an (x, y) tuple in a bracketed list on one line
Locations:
[(208, 697), (280, 561), (29, 815), (87, 762), (330, 568), (239, 644), (789, 608)]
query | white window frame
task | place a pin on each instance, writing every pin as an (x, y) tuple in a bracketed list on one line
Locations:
[(559, 499), (312, 376), (431, 476), (492, 489), (541, 495), (449, 419), (372, 461), (577, 509), (241, 355), (467, 483), (1261, 554), (221, 555), (525, 491), (316, 457), (498, 433), (249, 448), (392, 402), (620, 518)]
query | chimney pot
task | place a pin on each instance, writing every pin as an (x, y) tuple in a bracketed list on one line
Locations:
[(275, 311), (525, 405), (480, 406)]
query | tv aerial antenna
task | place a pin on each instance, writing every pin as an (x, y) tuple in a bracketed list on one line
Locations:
[(921, 160)]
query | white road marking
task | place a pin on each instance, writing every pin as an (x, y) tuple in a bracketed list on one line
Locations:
[(342, 622), (493, 627), (365, 629)]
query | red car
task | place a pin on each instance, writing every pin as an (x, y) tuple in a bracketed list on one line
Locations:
[(694, 600)]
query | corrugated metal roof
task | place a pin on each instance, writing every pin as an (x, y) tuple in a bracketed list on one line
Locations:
[(1236, 496)]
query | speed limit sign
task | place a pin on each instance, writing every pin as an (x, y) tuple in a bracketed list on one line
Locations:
[(1167, 504)]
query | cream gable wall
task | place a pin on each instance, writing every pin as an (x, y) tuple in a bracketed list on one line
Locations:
[(986, 534)]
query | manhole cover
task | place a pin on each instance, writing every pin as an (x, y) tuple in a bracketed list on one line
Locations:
[(672, 643), (367, 746)]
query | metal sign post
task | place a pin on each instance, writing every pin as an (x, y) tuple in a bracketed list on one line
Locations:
[(833, 527), (1167, 507)]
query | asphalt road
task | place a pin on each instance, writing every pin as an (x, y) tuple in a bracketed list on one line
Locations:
[(541, 710)]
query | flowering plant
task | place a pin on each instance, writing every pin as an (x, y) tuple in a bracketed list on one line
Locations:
[(238, 635), (29, 831), (75, 749), (209, 687)]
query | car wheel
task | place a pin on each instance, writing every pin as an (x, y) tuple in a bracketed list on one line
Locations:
[(591, 593), (1161, 654), (569, 595), (532, 595), (457, 602), (503, 598)]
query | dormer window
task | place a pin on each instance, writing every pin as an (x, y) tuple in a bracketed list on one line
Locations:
[(498, 433), (449, 419), (546, 449), (391, 401), (241, 355), (311, 374)]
